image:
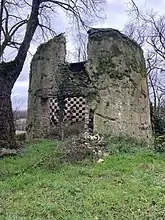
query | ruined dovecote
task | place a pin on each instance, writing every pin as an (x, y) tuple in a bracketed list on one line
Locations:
[(107, 94)]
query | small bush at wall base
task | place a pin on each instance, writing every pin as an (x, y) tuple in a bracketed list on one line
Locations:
[(159, 125), (126, 144), (160, 143)]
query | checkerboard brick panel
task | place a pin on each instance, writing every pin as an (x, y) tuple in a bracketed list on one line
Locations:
[(74, 111), (54, 108)]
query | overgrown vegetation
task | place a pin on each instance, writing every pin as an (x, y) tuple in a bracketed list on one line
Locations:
[(158, 129), (37, 186)]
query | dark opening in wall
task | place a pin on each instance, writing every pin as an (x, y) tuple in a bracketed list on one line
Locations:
[(77, 67), (44, 101), (91, 120)]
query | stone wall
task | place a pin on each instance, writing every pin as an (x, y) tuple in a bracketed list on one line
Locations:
[(43, 85), (54, 80), (113, 82), (116, 67)]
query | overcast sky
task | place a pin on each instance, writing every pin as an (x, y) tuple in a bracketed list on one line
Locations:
[(116, 17)]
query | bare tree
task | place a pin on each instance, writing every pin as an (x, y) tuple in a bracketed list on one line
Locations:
[(79, 52), (148, 29), (19, 20), (81, 47)]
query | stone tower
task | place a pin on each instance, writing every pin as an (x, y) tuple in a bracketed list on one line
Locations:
[(43, 85), (107, 94)]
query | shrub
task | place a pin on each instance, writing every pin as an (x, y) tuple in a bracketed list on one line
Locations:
[(160, 143), (159, 125), (125, 144)]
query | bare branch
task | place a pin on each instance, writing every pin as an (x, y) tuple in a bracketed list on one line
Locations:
[(148, 29)]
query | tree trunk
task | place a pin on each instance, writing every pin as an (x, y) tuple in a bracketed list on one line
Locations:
[(9, 72), (7, 129)]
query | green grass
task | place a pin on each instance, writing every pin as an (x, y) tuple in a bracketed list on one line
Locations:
[(124, 186)]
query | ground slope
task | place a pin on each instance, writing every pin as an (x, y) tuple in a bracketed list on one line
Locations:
[(124, 186)]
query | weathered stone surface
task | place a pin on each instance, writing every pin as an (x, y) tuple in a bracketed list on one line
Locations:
[(117, 70), (113, 80), (51, 76), (43, 84), (72, 80)]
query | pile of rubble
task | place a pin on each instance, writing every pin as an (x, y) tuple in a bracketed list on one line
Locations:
[(85, 146)]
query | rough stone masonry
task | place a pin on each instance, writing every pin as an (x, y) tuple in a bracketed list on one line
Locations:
[(107, 94)]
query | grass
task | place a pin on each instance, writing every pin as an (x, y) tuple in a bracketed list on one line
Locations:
[(125, 186)]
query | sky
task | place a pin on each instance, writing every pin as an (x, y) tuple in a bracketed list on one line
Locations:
[(116, 13)]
